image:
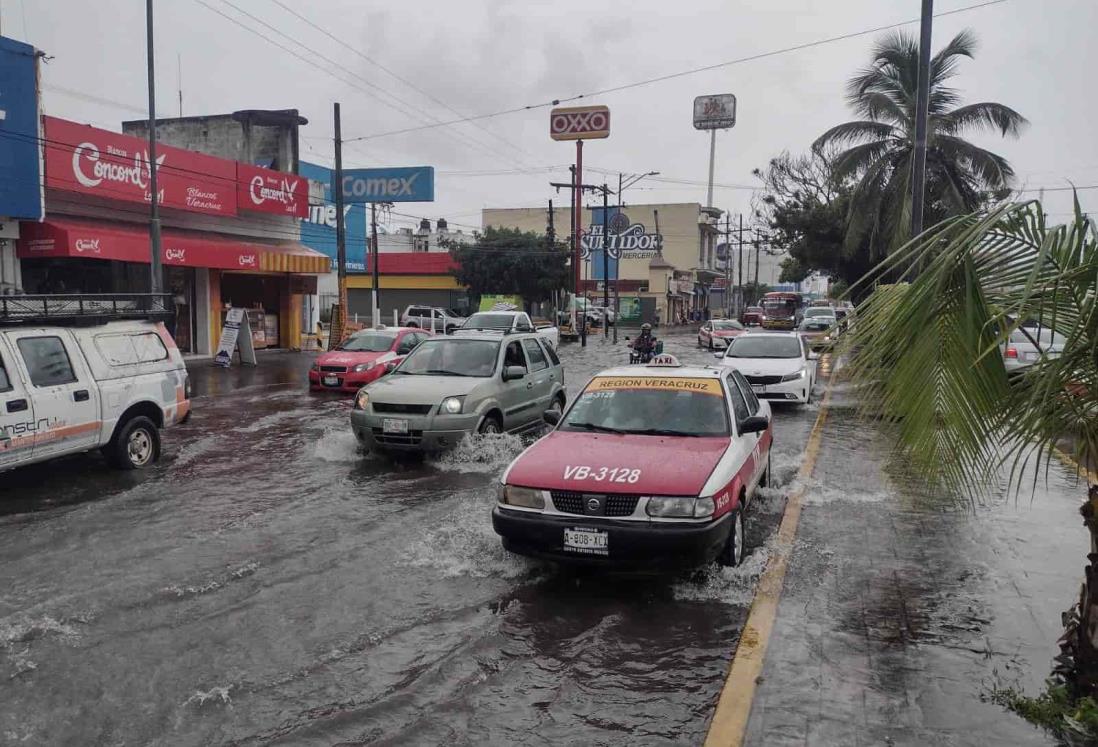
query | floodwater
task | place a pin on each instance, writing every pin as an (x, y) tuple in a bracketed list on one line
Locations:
[(266, 583)]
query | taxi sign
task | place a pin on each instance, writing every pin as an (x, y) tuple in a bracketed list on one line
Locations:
[(665, 360)]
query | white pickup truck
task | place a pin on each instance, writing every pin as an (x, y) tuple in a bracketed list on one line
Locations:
[(510, 321), (88, 372)]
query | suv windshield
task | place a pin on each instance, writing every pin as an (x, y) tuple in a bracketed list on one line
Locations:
[(819, 311), (451, 357), (650, 406), (483, 320), (758, 346), (368, 342)]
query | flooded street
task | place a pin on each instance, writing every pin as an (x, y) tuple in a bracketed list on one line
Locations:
[(267, 583)]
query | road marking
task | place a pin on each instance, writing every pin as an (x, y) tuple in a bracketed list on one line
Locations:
[(729, 724)]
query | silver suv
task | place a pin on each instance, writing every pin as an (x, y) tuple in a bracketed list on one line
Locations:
[(442, 321), (449, 387)]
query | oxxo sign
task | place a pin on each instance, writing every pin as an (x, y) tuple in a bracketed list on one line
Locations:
[(579, 123), (409, 184)]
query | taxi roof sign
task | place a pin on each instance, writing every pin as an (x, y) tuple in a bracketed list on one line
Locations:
[(665, 360)]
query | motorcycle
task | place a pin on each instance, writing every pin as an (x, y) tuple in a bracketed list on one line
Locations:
[(645, 356)]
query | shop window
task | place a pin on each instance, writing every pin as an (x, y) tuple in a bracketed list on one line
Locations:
[(47, 362)]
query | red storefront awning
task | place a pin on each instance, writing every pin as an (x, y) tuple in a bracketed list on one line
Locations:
[(130, 243)]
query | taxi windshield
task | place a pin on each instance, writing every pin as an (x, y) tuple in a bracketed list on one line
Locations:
[(650, 406), (368, 342), (451, 357), (727, 324)]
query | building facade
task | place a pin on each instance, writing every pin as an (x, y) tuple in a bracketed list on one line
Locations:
[(230, 233)]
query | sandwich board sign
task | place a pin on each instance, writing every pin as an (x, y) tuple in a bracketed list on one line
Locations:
[(237, 331)]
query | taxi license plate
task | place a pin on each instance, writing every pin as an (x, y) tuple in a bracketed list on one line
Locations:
[(392, 425), (331, 381), (587, 541)]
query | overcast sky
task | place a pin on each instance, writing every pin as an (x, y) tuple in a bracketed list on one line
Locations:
[(469, 57)]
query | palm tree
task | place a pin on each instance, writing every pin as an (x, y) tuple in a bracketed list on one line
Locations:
[(878, 149), (928, 353)]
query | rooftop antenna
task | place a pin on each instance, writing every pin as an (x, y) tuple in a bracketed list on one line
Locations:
[(179, 80)]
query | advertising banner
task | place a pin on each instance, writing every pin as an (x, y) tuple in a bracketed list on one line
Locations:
[(85, 159), (267, 191), (20, 187), (236, 331), (318, 228), (407, 184)]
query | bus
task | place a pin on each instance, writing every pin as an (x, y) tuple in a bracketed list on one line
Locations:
[(781, 310)]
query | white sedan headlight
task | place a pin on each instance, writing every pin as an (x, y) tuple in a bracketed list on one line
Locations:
[(451, 405), (512, 495), (362, 399), (794, 376)]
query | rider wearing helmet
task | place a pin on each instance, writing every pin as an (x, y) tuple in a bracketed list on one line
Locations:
[(645, 342)]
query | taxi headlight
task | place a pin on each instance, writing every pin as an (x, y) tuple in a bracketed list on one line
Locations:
[(704, 507), (524, 497), (451, 405), (671, 508), (794, 376), (362, 399)]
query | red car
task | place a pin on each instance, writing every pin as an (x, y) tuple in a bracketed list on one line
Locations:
[(753, 316), (717, 333), (363, 357)]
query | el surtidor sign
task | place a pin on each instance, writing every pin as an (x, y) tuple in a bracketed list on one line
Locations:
[(627, 241)]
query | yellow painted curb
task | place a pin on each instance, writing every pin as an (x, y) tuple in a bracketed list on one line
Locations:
[(1069, 461), (729, 724)]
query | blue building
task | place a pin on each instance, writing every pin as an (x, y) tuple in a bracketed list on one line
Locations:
[(20, 187)]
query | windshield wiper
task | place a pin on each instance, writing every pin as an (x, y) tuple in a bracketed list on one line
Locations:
[(596, 427), (663, 432), (444, 372)]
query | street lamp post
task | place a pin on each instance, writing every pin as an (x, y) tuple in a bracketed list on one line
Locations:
[(155, 273)]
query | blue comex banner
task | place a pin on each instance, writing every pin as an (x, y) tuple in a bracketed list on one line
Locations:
[(407, 184), (20, 187), (318, 231)]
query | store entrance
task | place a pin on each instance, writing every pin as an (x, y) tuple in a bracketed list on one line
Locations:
[(262, 296)]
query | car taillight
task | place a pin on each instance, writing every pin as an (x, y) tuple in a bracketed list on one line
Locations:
[(1012, 352)]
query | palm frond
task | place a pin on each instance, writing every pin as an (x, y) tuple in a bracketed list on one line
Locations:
[(943, 65), (986, 114), (852, 133), (991, 169), (855, 160)]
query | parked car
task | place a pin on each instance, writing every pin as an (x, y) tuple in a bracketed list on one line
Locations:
[(453, 386), (753, 316), (69, 385), (597, 314), (434, 318), (1020, 352), (509, 322), (363, 357), (651, 466), (778, 365), (717, 333)]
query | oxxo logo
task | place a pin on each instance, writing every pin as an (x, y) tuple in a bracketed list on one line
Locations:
[(87, 245), (579, 123), (175, 255), (247, 260)]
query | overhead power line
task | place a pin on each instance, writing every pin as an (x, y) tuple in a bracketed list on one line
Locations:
[(681, 73)]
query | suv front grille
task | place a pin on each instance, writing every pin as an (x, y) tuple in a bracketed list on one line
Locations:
[(392, 407), (763, 379), (569, 502), (411, 438)]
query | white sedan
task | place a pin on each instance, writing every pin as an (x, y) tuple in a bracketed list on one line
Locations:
[(778, 365)]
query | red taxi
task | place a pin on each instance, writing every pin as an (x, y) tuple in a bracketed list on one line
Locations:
[(651, 466), (363, 357), (717, 333)]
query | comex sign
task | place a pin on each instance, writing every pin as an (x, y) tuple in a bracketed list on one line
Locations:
[(410, 184)]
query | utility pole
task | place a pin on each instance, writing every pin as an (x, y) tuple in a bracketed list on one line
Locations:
[(758, 242), (550, 232), (739, 271), (605, 261), (728, 263), (156, 279), (579, 234), (922, 107), (341, 228), (659, 253), (377, 264)]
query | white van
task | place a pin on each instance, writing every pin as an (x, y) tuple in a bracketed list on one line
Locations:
[(102, 378)]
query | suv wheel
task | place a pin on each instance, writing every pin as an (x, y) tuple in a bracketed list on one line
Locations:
[(135, 445), (490, 424)]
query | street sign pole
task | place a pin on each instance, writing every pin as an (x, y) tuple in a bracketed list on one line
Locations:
[(605, 262), (341, 228), (712, 158), (376, 251), (579, 239)]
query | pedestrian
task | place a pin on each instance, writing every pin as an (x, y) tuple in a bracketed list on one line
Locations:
[(657, 316)]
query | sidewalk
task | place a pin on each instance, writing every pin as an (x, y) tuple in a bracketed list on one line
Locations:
[(900, 608), (274, 369)]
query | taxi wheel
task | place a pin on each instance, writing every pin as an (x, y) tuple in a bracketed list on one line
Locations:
[(764, 481), (733, 552)]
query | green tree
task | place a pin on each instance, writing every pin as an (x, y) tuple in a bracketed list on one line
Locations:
[(927, 354), (806, 209), (879, 148), (511, 262)]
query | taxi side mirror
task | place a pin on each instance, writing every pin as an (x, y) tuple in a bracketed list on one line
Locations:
[(513, 373), (753, 424), (551, 417)]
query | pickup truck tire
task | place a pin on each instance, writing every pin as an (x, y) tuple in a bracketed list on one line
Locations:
[(136, 444)]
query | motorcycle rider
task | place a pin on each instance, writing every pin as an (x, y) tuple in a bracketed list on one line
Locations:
[(645, 344)]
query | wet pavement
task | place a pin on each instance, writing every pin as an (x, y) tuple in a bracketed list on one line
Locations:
[(901, 608), (266, 583)]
